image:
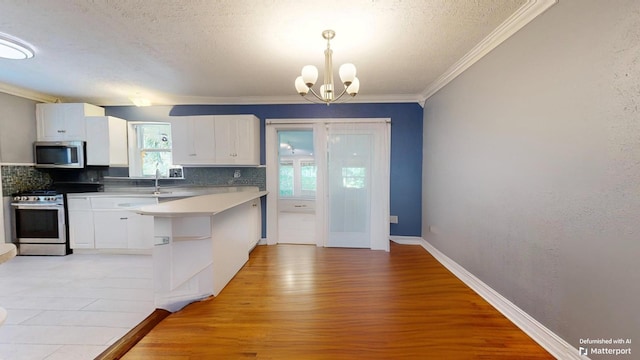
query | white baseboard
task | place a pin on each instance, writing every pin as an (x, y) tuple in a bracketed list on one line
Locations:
[(554, 344)]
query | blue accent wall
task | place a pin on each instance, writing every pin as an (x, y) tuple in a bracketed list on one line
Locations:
[(406, 141)]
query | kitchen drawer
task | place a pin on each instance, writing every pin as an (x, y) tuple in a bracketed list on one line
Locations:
[(78, 203), (121, 202)]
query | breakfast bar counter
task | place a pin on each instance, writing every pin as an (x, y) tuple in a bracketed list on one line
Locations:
[(200, 243)]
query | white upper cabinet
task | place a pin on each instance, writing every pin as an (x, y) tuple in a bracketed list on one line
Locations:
[(64, 122), (106, 141), (193, 140), (216, 140), (237, 140)]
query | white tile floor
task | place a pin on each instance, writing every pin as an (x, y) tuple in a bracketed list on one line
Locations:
[(71, 307)]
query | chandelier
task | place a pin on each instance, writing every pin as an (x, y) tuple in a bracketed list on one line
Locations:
[(304, 84)]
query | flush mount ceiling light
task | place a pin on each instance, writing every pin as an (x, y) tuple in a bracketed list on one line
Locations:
[(327, 95), (12, 48), (140, 101)]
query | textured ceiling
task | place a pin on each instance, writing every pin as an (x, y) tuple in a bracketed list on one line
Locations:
[(237, 51)]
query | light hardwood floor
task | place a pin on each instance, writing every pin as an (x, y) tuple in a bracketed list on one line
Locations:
[(305, 302)]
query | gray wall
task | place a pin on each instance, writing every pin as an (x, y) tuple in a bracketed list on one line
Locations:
[(531, 170), (17, 134), (17, 129)]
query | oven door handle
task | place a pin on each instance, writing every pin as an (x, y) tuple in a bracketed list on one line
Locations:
[(37, 207)]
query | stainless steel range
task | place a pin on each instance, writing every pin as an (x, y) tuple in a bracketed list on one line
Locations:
[(39, 223)]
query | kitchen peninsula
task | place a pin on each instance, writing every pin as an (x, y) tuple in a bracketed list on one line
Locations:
[(200, 243)]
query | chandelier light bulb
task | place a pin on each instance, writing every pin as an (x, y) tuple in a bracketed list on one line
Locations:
[(354, 87), (310, 75), (301, 87), (347, 73)]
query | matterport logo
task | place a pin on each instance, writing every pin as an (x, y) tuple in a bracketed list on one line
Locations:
[(602, 346)]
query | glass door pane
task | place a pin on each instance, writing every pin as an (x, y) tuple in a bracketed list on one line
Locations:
[(349, 162)]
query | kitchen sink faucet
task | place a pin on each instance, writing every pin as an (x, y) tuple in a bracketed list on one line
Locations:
[(157, 188)]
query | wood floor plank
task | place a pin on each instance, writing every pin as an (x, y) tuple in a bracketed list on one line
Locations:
[(305, 302)]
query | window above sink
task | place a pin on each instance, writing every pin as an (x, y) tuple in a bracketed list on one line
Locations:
[(150, 146)]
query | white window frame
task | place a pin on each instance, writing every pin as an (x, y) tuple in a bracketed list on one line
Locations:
[(297, 176), (135, 158)]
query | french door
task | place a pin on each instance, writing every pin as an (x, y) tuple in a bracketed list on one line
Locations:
[(352, 194)]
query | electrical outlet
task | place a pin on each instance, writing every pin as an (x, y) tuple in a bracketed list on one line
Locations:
[(393, 219)]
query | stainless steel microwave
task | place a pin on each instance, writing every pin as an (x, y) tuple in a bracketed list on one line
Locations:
[(59, 154)]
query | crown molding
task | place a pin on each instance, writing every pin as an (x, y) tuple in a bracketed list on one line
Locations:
[(27, 94), (525, 14), (258, 100)]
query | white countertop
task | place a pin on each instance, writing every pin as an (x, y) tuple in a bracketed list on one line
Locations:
[(165, 192), (200, 205)]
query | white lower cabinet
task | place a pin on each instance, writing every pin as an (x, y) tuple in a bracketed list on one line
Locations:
[(139, 231), (256, 223), (106, 222), (111, 229), (81, 229)]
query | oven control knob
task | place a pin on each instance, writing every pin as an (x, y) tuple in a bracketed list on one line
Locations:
[(24, 198)]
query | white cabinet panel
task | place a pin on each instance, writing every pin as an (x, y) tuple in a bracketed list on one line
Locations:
[(122, 230), (106, 141), (111, 229), (139, 231), (237, 140), (81, 229), (255, 223), (63, 122), (118, 227), (108, 222), (216, 140), (193, 140)]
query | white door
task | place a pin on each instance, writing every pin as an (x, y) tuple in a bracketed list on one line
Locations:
[(357, 185), (297, 184), (352, 195)]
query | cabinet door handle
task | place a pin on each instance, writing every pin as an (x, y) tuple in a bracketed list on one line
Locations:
[(124, 218), (193, 154), (62, 131), (299, 206)]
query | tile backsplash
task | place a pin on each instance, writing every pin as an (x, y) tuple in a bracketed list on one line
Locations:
[(17, 178), (202, 176)]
